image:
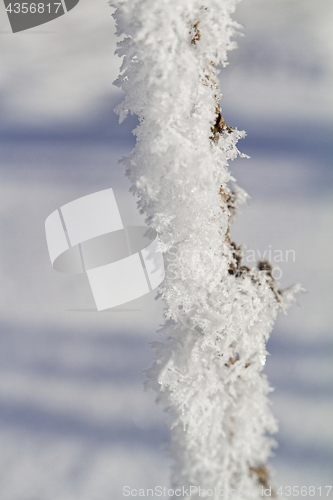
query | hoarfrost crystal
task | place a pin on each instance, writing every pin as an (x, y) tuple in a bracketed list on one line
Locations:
[(208, 373)]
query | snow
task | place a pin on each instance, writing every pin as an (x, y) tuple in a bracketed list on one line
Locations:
[(207, 373)]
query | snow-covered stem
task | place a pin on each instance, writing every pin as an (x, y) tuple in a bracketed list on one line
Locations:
[(208, 372)]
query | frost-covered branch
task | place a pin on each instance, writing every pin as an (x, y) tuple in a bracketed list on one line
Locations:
[(208, 373)]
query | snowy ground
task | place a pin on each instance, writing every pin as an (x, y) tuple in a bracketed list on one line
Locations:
[(74, 420)]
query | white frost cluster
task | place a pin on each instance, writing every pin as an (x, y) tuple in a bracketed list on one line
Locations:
[(219, 314)]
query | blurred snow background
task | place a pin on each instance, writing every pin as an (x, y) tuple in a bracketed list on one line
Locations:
[(74, 420)]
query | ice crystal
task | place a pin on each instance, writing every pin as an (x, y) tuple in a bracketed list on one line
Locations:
[(208, 371)]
